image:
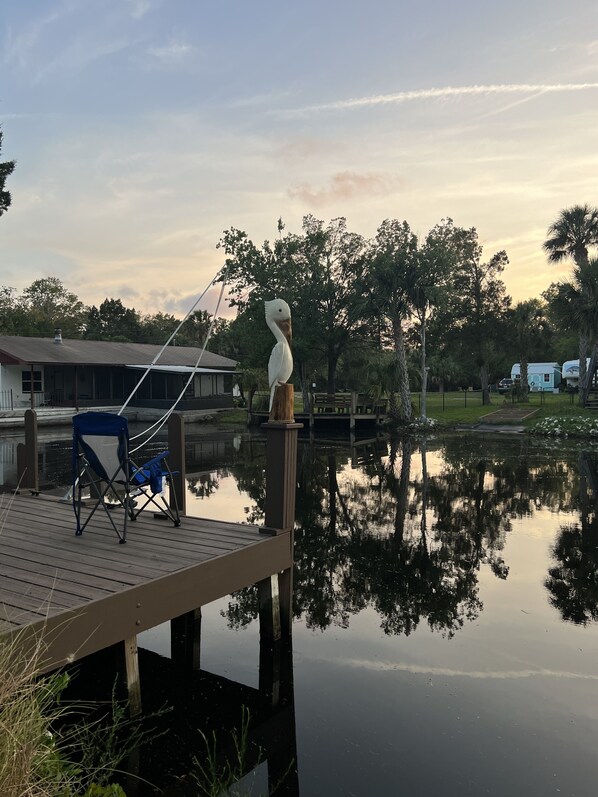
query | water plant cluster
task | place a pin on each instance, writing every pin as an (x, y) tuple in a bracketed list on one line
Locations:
[(566, 427)]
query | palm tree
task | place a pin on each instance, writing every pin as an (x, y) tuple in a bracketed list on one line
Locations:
[(574, 230), (575, 304)]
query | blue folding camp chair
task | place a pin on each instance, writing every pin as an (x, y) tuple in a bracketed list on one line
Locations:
[(103, 468)]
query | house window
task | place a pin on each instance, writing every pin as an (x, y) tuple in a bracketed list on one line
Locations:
[(547, 377), (37, 381)]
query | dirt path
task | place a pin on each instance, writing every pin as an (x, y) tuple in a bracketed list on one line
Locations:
[(509, 414)]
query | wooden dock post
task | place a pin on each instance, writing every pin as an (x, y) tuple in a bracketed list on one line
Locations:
[(176, 446), (353, 412), (132, 670), (27, 464)]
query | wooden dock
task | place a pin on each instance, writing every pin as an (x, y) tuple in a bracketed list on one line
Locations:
[(339, 410), (82, 594)]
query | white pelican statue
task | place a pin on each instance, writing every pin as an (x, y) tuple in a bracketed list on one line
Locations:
[(280, 364)]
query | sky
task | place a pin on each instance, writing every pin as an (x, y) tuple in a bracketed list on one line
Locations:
[(142, 129)]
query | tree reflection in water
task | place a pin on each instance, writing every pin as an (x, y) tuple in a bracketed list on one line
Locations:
[(389, 534), (573, 581)]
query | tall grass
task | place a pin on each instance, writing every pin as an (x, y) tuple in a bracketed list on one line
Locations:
[(30, 763)]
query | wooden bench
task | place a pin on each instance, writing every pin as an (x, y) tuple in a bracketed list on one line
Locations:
[(332, 402), (366, 405)]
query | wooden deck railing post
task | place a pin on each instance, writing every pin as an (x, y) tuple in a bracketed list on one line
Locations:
[(176, 446), (27, 464)]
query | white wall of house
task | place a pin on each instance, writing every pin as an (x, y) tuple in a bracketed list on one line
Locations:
[(11, 378)]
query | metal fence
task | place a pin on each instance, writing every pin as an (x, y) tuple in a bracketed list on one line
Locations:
[(6, 401), (440, 402)]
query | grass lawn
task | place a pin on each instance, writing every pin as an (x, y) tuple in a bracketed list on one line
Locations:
[(450, 409)]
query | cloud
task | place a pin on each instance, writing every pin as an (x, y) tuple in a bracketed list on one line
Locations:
[(173, 54), (139, 8), (19, 46), (447, 92), (446, 672), (342, 186)]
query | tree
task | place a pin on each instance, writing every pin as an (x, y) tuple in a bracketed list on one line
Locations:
[(317, 273), (157, 328), (6, 169), (575, 304), (390, 280), (435, 261), (570, 235), (112, 321), (478, 304), (11, 313), (47, 305), (404, 281), (527, 320)]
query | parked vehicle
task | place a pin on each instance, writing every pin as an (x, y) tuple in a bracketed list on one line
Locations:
[(505, 385), (571, 374)]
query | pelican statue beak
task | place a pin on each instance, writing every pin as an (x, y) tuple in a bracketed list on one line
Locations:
[(286, 329)]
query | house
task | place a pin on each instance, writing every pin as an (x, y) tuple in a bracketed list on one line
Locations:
[(55, 372), (540, 376)]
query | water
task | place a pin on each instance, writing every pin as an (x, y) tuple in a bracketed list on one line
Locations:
[(445, 637)]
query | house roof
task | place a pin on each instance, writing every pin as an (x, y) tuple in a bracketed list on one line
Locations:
[(44, 351)]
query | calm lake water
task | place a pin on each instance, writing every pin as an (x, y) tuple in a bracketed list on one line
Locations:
[(445, 637)]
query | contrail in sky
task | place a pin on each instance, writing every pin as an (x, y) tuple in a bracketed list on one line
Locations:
[(447, 92)]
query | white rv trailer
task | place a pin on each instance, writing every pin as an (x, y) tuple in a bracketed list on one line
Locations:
[(540, 376), (571, 372)]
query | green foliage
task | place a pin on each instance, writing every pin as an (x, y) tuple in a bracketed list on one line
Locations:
[(214, 776), (47, 305), (6, 169), (112, 321), (112, 790), (316, 272), (574, 230)]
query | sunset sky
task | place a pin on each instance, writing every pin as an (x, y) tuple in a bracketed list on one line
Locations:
[(144, 128)]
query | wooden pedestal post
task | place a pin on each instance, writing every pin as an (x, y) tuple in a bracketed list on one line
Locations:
[(176, 460), (275, 593)]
